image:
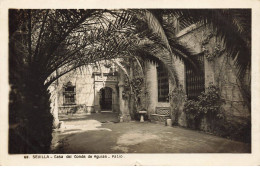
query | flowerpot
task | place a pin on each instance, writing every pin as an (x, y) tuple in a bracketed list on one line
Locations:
[(169, 122)]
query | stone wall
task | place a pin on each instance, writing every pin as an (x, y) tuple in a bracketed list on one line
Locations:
[(87, 87), (219, 70), (84, 98)]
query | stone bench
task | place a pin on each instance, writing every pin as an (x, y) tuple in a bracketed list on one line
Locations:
[(161, 115)]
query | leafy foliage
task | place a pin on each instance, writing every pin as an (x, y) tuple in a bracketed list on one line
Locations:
[(177, 97), (193, 115), (30, 112), (208, 105), (35, 39), (231, 25), (210, 101), (137, 84)]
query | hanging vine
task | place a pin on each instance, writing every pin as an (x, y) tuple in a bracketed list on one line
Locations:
[(217, 50)]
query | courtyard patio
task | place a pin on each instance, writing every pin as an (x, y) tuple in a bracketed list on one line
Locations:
[(102, 133)]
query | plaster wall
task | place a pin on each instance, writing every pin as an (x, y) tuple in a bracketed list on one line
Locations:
[(220, 71)]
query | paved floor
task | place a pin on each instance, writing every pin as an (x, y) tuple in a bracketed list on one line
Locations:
[(101, 133)]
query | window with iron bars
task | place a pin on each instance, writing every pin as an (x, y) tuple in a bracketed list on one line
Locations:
[(195, 82), (69, 93), (163, 83)]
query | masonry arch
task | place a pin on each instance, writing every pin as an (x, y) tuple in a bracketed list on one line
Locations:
[(106, 94)]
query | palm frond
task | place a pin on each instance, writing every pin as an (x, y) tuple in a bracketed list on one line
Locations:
[(233, 26), (157, 32), (154, 52), (153, 24), (180, 51)]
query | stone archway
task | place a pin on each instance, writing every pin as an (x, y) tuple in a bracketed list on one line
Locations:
[(114, 96)]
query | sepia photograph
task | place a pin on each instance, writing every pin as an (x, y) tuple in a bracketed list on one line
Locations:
[(109, 82)]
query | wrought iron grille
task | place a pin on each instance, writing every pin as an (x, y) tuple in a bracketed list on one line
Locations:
[(195, 82), (69, 92), (163, 84)]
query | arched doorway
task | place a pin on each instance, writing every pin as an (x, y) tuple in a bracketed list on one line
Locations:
[(105, 98)]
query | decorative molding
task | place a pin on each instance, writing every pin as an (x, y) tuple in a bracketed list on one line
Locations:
[(106, 78)]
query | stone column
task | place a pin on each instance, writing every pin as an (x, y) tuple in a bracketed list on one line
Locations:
[(96, 100), (56, 111), (152, 86), (54, 104), (121, 101), (209, 72), (131, 101), (177, 115), (123, 104), (115, 101)]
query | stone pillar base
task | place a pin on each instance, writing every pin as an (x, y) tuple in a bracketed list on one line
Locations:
[(125, 118), (56, 123), (142, 118), (88, 110), (97, 109)]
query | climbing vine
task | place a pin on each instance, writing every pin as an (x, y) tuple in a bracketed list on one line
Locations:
[(210, 102), (208, 105), (177, 97), (136, 85), (126, 91), (217, 50), (193, 115)]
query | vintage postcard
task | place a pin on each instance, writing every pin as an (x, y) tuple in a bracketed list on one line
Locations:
[(130, 82)]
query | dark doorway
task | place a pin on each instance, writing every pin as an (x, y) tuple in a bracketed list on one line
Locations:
[(106, 98)]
